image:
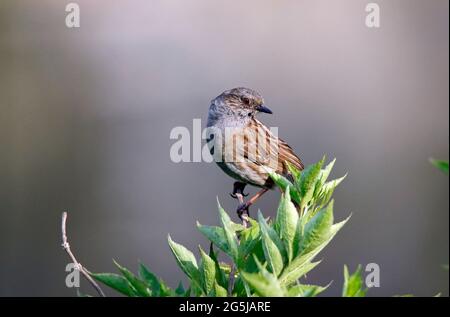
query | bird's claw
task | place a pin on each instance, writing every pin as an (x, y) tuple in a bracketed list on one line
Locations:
[(238, 190), (234, 195), (242, 209)]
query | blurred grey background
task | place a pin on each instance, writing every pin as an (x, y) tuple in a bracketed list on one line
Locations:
[(86, 115)]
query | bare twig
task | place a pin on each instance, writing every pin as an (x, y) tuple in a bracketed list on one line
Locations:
[(78, 266)]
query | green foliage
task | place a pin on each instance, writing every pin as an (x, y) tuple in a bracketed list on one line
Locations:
[(442, 165), (353, 284), (269, 258), (146, 284)]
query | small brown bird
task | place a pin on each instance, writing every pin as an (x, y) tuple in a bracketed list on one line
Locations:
[(245, 148)]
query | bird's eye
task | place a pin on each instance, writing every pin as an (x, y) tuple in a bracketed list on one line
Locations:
[(245, 100)]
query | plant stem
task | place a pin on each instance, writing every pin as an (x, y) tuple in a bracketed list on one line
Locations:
[(78, 266)]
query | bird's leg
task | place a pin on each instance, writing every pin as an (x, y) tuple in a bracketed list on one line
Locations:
[(238, 193), (243, 207), (238, 188)]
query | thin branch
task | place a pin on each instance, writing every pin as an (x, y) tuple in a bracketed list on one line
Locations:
[(78, 266)]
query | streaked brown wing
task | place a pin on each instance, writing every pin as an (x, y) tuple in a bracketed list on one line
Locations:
[(286, 154), (277, 152)]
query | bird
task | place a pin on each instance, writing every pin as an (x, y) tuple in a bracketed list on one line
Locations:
[(243, 147)]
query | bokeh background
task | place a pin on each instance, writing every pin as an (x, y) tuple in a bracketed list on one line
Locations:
[(86, 116)]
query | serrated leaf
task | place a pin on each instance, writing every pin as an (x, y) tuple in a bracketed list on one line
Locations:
[(249, 237), (257, 252), (293, 171), (165, 290), (335, 182), (282, 182), (272, 236), (264, 283), (208, 272), (272, 254), (296, 269), (316, 230), (353, 284), (220, 273), (328, 189), (286, 222), (216, 235), (236, 227), (186, 261), (116, 282), (263, 287), (152, 281), (324, 173), (308, 180), (303, 290), (230, 235), (323, 176), (141, 288)]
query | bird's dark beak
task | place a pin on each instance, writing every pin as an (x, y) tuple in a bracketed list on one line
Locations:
[(261, 108)]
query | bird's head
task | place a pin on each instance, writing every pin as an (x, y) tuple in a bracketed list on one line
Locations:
[(240, 102)]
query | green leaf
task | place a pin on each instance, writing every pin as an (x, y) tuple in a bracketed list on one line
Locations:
[(230, 235), (327, 191), (116, 282), (302, 290), (208, 272), (249, 237), (308, 181), (236, 227), (273, 256), (263, 287), (296, 269), (274, 249), (286, 222), (322, 178), (353, 284), (220, 291), (216, 235), (152, 281), (293, 171), (316, 230), (250, 265), (188, 292), (301, 264), (220, 274), (283, 183), (180, 291), (440, 164), (264, 283), (186, 261), (324, 173), (141, 288), (165, 290)]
